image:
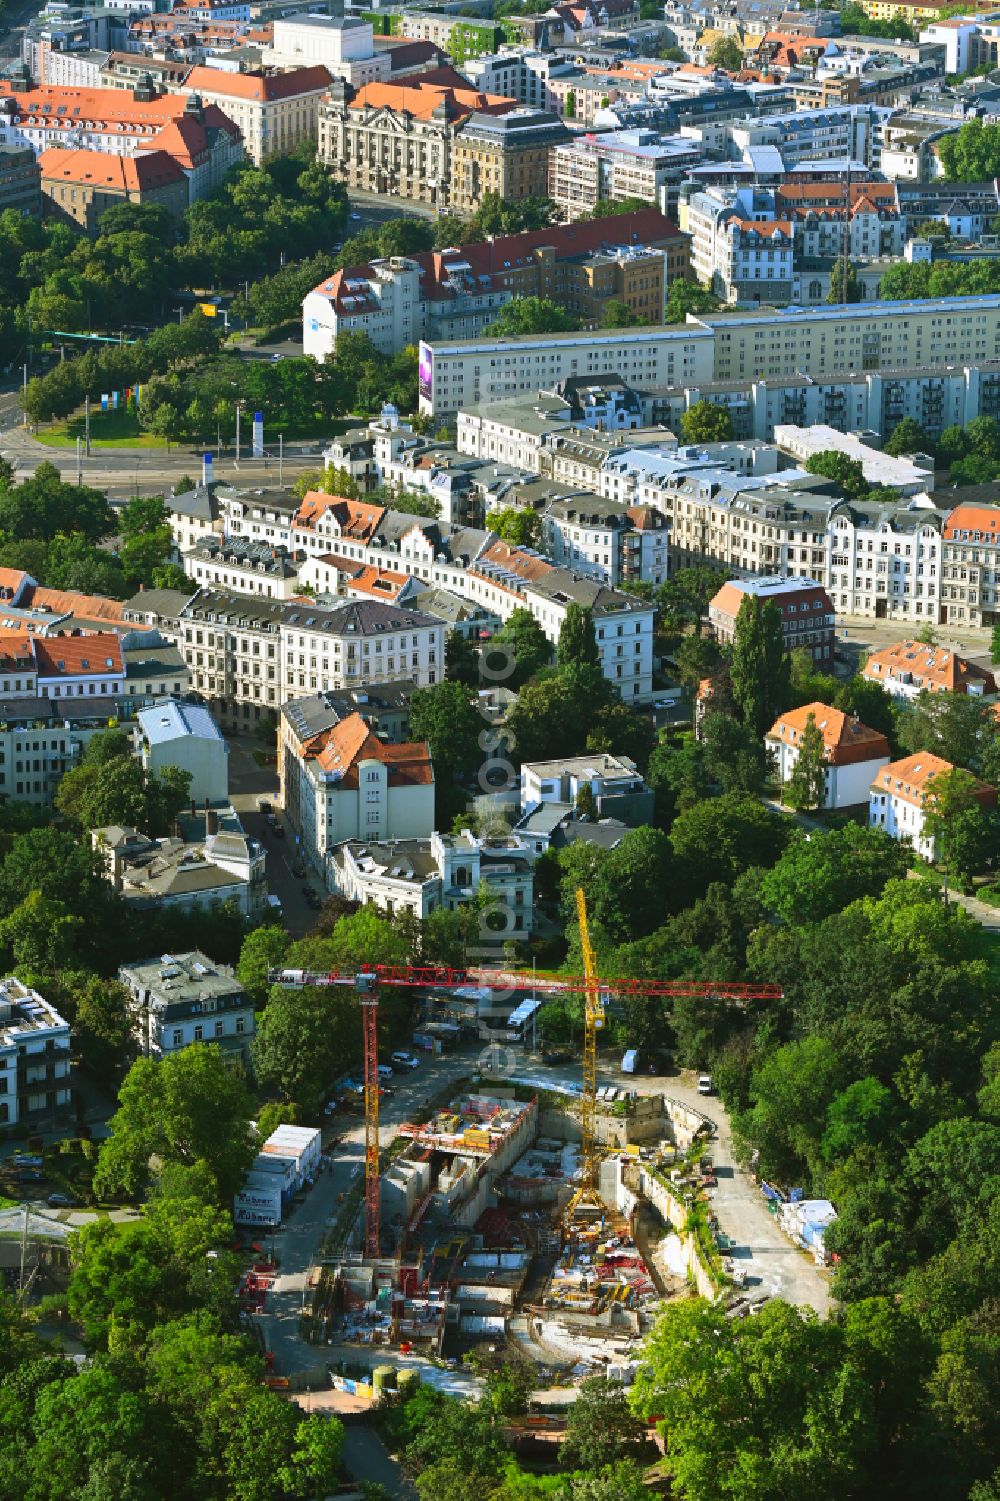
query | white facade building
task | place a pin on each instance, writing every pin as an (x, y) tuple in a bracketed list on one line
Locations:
[(186, 736), (35, 1054), (855, 754), (421, 875), (898, 795), (180, 999), (343, 782)]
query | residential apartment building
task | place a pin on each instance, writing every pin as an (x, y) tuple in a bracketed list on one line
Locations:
[(249, 655), (631, 258), (20, 181), (180, 999), (970, 566), (505, 578), (606, 540), (274, 112), (854, 753), (898, 797), (185, 736), (909, 668), (35, 1057), (244, 566), (444, 871), (807, 617), (896, 341), (343, 782), (886, 561), (619, 164), (769, 245)]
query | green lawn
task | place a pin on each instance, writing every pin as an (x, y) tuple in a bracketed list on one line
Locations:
[(107, 430)]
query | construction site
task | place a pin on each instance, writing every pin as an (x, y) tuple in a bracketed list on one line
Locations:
[(559, 1222)]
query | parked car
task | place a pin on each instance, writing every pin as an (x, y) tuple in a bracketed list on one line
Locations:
[(384, 1071), (26, 1159), (298, 868), (61, 1201), (665, 703), (553, 1056), (312, 898), (704, 1083), (402, 1061)]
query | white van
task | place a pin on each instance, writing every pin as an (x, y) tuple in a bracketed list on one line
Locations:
[(704, 1083)]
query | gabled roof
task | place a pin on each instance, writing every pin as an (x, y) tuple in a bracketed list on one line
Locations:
[(357, 518), (420, 99), (340, 750), (931, 668), (98, 169), (907, 779), (67, 602), (846, 739), (93, 655), (257, 86)]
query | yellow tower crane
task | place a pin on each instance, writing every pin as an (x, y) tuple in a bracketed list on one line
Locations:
[(593, 1020)]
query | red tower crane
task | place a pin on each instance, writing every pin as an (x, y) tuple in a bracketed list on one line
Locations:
[(429, 976)]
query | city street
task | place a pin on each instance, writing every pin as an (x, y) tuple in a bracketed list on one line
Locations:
[(299, 1240), (248, 783)]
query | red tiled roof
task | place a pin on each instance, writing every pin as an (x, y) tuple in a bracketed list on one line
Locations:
[(11, 580), (931, 668), (98, 169), (350, 742), (378, 583), (908, 779), (357, 518), (732, 595), (259, 86), (505, 253), (87, 606), (77, 656), (982, 519), (17, 652), (846, 739), (420, 98)]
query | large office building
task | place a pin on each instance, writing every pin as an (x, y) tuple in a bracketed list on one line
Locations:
[(739, 347)]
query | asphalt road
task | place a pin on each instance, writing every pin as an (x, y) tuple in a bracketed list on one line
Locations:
[(248, 783), (299, 1240), (857, 634)]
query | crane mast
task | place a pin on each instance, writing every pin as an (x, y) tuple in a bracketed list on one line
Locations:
[(593, 1020)]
